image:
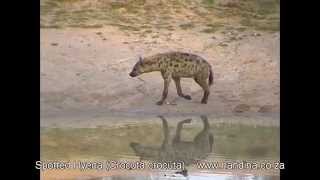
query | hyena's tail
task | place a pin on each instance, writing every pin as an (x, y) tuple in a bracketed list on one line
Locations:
[(210, 77)]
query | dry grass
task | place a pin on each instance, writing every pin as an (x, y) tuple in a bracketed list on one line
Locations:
[(131, 15), (212, 28), (187, 26)]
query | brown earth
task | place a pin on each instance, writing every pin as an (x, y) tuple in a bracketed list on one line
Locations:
[(84, 68), (81, 70)]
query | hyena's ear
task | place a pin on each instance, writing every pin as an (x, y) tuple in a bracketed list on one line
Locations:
[(140, 60)]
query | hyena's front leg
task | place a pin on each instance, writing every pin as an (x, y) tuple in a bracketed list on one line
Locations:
[(179, 90), (167, 80), (177, 138)]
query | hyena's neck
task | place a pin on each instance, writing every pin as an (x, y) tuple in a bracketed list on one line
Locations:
[(152, 64)]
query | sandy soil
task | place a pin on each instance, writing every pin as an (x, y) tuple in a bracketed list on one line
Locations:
[(86, 70)]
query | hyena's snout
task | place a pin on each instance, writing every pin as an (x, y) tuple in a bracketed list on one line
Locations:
[(134, 146), (133, 74)]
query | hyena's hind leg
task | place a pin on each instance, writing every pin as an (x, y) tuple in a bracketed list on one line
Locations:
[(165, 128), (204, 138), (205, 86), (179, 89)]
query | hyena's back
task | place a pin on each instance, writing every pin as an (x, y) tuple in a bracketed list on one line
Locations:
[(183, 64)]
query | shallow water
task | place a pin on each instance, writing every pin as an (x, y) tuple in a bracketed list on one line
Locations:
[(200, 144), (193, 177)]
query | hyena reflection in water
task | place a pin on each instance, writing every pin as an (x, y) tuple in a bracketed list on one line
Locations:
[(177, 65), (178, 150)]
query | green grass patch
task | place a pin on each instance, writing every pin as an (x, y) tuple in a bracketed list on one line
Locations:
[(209, 3)]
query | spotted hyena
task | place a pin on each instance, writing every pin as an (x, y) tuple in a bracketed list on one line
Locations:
[(177, 65)]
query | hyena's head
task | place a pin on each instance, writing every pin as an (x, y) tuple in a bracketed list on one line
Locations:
[(140, 67), (145, 152)]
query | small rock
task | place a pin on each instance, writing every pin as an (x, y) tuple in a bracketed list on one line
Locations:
[(250, 61), (265, 109), (213, 37), (256, 34), (233, 38), (122, 10), (223, 44), (54, 44), (99, 33), (241, 108)]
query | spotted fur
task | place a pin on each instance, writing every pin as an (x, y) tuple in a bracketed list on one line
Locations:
[(177, 65)]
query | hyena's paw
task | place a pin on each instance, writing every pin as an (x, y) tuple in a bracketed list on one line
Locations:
[(159, 103), (204, 102), (188, 97)]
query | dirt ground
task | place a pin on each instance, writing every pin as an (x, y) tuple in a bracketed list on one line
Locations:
[(87, 69)]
